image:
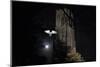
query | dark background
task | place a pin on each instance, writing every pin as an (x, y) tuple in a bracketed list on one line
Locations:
[(29, 20)]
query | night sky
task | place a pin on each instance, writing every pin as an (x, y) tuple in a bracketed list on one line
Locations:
[(29, 20)]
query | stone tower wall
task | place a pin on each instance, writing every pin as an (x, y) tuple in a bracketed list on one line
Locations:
[(66, 32)]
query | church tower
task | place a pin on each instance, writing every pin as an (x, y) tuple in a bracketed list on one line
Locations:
[(66, 34)]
